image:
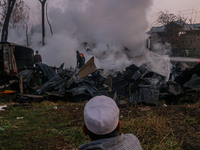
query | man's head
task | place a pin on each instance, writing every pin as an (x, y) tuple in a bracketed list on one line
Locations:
[(77, 52), (101, 117), (36, 52)]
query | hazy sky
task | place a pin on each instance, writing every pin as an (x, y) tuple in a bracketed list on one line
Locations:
[(186, 8)]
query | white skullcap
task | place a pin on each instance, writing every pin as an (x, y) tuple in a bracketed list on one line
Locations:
[(101, 115)]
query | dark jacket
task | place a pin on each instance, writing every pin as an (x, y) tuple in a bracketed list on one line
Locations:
[(37, 58), (80, 60), (121, 142)]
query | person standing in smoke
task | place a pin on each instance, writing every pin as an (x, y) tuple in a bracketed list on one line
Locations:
[(37, 58), (38, 77), (80, 59)]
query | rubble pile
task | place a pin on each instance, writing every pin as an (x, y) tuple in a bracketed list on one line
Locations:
[(135, 84)]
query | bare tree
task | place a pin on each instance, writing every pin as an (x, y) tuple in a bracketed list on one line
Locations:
[(43, 23), (4, 35), (165, 18), (20, 14), (49, 21)]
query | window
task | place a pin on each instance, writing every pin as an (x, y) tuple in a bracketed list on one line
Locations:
[(189, 41), (181, 33), (186, 52)]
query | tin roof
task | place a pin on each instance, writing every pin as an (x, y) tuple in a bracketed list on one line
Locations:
[(186, 27), (15, 44)]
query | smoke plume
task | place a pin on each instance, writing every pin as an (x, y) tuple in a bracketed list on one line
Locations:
[(114, 30)]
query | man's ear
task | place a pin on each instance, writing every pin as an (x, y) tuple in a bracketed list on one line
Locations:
[(119, 126), (84, 128)]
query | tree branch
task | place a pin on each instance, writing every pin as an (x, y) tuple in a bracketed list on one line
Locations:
[(43, 1)]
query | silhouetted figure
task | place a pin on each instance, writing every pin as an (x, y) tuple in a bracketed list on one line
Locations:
[(37, 58), (80, 59)]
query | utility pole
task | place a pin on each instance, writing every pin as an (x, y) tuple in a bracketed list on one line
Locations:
[(43, 23)]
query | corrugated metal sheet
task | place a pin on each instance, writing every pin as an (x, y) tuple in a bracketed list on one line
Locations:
[(185, 27)]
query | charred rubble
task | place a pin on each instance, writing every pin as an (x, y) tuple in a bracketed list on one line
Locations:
[(135, 85)]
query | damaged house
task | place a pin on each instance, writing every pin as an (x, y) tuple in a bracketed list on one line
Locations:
[(13, 58), (184, 38)]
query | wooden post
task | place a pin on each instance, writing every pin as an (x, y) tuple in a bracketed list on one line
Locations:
[(21, 85), (109, 83)]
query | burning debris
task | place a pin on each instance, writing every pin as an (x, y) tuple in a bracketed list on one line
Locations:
[(137, 85)]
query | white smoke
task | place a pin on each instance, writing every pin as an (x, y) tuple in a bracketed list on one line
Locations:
[(116, 27), (117, 23), (162, 49)]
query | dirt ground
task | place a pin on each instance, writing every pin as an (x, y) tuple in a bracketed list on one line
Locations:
[(182, 120)]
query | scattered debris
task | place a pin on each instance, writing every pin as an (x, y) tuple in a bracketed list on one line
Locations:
[(7, 92), (18, 118), (164, 105), (136, 84), (55, 107), (144, 108), (2, 107)]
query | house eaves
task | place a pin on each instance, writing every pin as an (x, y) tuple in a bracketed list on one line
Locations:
[(157, 30)]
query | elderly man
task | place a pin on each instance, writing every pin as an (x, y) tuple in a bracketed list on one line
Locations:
[(101, 123)]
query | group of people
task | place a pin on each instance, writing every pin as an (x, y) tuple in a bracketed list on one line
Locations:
[(80, 58)]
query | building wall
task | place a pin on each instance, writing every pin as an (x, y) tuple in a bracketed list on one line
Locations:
[(184, 43)]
